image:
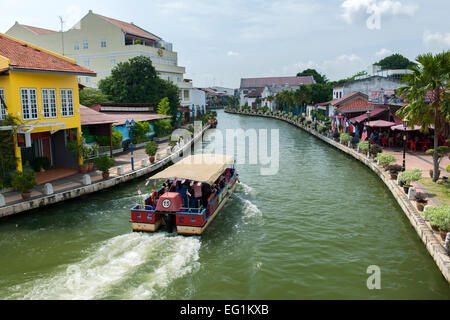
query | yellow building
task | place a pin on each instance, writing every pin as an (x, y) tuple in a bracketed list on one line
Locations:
[(99, 43), (40, 89)]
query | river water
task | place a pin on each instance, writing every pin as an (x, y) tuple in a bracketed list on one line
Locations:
[(309, 232)]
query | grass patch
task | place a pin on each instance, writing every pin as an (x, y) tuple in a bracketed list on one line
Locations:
[(439, 190)]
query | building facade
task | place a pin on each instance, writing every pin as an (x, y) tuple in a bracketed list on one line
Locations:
[(99, 43), (40, 89)]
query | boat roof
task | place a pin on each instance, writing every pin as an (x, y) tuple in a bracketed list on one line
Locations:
[(205, 168)]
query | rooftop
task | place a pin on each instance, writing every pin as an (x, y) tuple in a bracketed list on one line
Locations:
[(27, 57), (278, 81), (38, 30)]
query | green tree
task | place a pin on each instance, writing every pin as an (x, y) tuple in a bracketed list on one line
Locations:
[(137, 81), (163, 107), (90, 97), (395, 61), (431, 75), (319, 78)]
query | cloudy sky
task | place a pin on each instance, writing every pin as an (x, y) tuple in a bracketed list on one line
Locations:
[(220, 42)]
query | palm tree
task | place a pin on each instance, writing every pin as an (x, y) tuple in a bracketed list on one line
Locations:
[(423, 108), (303, 95)]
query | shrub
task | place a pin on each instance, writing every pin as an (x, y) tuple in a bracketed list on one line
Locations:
[(23, 181), (394, 168), (151, 148), (421, 197), (375, 149), (104, 163), (410, 176), (363, 145), (439, 217), (116, 140), (162, 127), (40, 163), (345, 138), (385, 158)]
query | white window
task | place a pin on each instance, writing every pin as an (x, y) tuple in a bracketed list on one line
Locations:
[(29, 104), (113, 61), (67, 103), (49, 107), (85, 44), (178, 79), (103, 43), (2, 106), (76, 45), (86, 62)]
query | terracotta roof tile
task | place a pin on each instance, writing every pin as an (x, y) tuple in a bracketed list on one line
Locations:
[(340, 101), (278, 81), (356, 105), (29, 57), (255, 93), (131, 28)]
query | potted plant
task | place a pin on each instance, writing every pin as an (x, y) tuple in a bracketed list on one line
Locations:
[(150, 149), (104, 163), (421, 199), (363, 146), (409, 176), (439, 219), (385, 159), (375, 149), (345, 138), (40, 164), (83, 150), (394, 169), (24, 182)]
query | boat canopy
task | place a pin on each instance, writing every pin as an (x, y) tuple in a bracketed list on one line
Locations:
[(205, 168)]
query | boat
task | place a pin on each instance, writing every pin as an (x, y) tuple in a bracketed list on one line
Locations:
[(177, 205)]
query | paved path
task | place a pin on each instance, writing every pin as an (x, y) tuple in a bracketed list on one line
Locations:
[(76, 180)]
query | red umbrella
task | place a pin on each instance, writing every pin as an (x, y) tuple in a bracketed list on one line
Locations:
[(381, 124)]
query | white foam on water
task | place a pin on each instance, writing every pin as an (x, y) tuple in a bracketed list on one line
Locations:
[(181, 259), (248, 190), (92, 278), (251, 213)]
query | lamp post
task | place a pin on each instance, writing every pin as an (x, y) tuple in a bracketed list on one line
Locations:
[(130, 126), (405, 125), (368, 137)]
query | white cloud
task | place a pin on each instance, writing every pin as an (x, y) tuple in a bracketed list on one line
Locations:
[(436, 39), (382, 53), (373, 10), (232, 54)]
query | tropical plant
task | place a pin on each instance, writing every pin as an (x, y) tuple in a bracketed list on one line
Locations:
[(23, 181), (410, 176), (394, 168), (40, 163), (7, 156), (116, 140), (427, 95), (104, 163), (90, 97), (442, 152), (421, 197)]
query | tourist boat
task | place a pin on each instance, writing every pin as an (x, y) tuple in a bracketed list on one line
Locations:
[(171, 208)]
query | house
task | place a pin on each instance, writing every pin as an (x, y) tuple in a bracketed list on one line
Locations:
[(330, 108), (195, 100), (99, 43), (254, 98), (40, 89), (269, 92), (250, 84)]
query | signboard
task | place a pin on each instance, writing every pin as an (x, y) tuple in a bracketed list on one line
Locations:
[(24, 140)]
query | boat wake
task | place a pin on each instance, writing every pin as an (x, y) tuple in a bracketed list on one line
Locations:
[(251, 213), (114, 264)]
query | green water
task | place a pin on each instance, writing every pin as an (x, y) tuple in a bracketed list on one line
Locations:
[(309, 232)]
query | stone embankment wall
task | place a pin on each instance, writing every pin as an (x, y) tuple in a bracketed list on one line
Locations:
[(98, 186), (431, 240)]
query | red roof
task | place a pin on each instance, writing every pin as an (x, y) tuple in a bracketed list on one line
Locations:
[(340, 101), (122, 117), (90, 116), (38, 30), (131, 28), (356, 105), (278, 81), (28, 57)]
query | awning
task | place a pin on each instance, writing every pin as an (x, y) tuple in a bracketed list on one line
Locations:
[(381, 124), (205, 168), (90, 117), (402, 128), (363, 117)]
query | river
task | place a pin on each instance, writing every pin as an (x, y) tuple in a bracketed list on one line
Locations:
[(309, 232)]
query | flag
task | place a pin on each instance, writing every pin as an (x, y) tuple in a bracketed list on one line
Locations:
[(364, 135), (350, 126)]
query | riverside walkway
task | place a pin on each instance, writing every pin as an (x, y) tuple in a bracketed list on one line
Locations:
[(74, 185), (430, 238)]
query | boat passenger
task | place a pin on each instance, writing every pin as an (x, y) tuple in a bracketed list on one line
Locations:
[(197, 194)]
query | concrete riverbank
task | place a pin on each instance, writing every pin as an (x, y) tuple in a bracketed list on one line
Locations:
[(430, 238), (122, 175)]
